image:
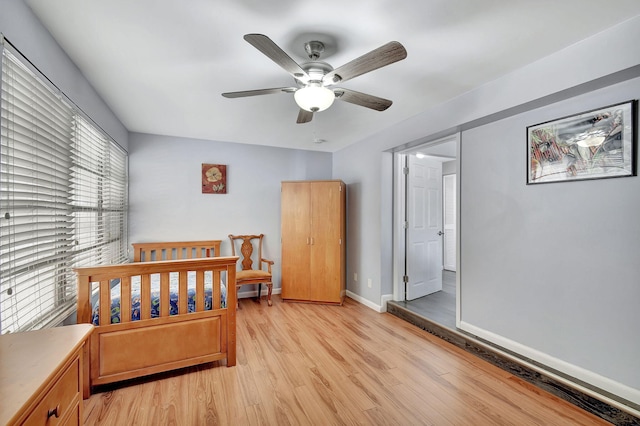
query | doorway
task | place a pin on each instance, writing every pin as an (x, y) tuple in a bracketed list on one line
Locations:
[(425, 230)]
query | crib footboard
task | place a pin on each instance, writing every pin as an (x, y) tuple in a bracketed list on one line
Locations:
[(199, 332)]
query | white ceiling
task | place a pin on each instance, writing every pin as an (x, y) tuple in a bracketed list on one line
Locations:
[(161, 65)]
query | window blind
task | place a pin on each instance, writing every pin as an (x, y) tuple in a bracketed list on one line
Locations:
[(98, 197), (63, 199)]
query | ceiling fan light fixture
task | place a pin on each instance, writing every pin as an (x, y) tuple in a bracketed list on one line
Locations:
[(314, 97)]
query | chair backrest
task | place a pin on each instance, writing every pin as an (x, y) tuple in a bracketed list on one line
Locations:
[(246, 249)]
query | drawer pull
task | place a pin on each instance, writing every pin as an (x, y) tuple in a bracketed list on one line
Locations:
[(55, 412)]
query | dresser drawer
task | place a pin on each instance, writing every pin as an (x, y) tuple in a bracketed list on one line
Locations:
[(74, 416), (61, 400)]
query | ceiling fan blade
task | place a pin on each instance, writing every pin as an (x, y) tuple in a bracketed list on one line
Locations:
[(377, 58), (304, 116), (277, 55), (258, 92), (362, 99)]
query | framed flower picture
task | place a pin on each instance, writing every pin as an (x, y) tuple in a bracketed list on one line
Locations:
[(591, 145), (214, 178)]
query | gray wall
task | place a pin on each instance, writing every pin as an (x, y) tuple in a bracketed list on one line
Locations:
[(449, 167), (362, 171), (166, 202), (26, 33), (583, 322), (552, 267)]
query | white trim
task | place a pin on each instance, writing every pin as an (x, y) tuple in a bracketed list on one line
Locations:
[(384, 299), (580, 373), (459, 202), (365, 302), (399, 161), (449, 198)]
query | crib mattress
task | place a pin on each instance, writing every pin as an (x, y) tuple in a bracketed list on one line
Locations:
[(155, 296)]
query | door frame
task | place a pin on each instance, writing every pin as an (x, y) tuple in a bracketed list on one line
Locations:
[(453, 176), (399, 203)]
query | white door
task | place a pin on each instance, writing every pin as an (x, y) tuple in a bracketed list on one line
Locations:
[(424, 221), (449, 221)]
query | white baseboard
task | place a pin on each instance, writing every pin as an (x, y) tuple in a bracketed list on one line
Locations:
[(368, 303), (604, 383)]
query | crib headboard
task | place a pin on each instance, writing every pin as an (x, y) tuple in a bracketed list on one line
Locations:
[(147, 252)]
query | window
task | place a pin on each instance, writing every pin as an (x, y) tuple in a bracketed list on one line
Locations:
[(63, 199), (98, 197)]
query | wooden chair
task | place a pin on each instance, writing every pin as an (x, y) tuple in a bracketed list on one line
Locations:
[(249, 275)]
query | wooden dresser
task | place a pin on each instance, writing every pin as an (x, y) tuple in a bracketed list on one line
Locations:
[(42, 376)]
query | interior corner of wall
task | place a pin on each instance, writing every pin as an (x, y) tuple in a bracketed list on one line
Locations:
[(365, 302), (383, 301)]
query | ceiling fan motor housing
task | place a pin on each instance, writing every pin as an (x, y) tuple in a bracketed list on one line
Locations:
[(316, 70)]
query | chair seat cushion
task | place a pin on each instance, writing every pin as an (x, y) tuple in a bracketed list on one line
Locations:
[(252, 274)]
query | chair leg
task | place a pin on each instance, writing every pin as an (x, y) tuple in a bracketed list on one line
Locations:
[(259, 292), (270, 287)]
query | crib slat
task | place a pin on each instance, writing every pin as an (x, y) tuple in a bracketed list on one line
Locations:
[(182, 293), (231, 315), (199, 291), (125, 299), (216, 290), (105, 303), (164, 295), (145, 296), (84, 300)]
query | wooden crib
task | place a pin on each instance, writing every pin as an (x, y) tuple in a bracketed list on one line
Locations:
[(191, 335)]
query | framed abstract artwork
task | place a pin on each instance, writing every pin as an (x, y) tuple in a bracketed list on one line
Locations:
[(214, 178), (591, 145)]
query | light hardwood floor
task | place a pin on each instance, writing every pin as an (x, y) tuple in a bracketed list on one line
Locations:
[(303, 364)]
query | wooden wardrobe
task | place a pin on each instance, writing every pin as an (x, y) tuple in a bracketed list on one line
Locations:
[(313, 241)]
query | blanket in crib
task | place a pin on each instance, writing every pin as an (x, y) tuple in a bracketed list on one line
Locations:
[(155, 297)]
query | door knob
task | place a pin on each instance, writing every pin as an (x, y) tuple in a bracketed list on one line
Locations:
[(440, 233)]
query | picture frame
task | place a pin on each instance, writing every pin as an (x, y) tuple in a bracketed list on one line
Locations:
[(596, 144), (214, 178)]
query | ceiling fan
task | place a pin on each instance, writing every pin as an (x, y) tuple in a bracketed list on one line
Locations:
[(313, 79)]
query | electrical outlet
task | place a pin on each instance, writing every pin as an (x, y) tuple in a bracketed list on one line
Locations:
[(369, 283), (355, 276)]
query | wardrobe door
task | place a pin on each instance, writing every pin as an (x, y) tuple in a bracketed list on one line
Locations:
[(296, 211), (326, 242)]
